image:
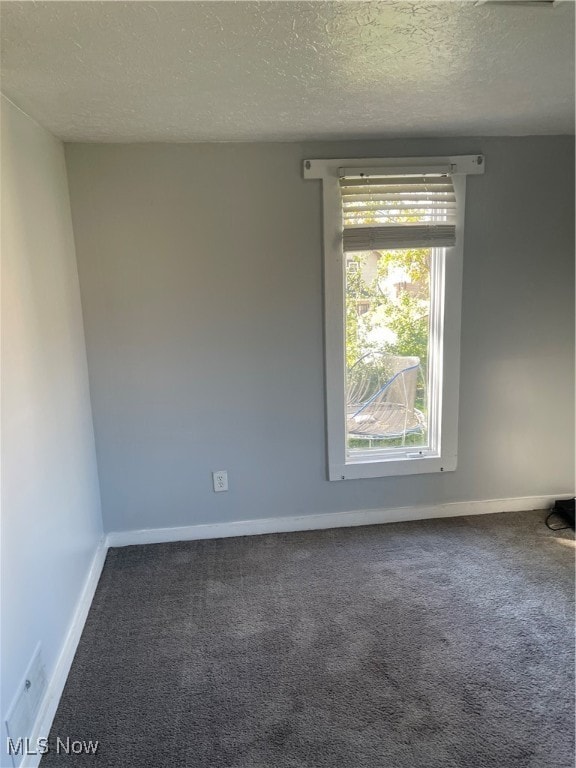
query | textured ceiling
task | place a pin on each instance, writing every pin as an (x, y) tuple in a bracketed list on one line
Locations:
[(246, 71)]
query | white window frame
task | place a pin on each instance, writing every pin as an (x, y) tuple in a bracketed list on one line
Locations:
[(442, 455)]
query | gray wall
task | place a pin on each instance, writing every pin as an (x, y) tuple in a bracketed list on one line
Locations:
[(200, 273), (51, 521)]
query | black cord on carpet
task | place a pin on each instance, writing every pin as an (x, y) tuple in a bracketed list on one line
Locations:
[(560, 528)]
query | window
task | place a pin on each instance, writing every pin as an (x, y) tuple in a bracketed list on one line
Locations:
[(393, 241)]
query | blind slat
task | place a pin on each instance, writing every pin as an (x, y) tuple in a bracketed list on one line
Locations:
[(399, 196), (401, 181), (388, 212), (354, 206)]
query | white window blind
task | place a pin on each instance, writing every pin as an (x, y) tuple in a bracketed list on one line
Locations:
[(399, 210)]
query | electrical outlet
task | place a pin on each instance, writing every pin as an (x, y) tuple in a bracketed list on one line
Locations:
[(220, 480), (22, 713)]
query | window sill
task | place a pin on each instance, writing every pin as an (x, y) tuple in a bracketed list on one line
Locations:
[(354, 470)]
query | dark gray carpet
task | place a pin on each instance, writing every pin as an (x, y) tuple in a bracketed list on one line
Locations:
[(438, 644)]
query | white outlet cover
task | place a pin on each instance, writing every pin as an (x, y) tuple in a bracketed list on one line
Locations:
[(24, 709), (220, 480)]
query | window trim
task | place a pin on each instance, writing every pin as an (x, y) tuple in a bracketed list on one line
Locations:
[(445, 458)]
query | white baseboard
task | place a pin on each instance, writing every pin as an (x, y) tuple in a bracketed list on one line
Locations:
[(58, 680), (328, 520)]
